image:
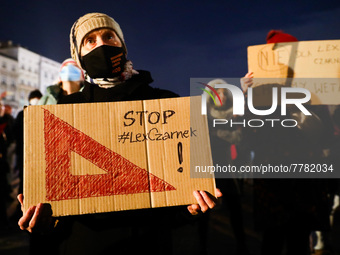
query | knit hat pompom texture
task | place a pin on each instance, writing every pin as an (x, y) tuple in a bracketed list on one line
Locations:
[(87, 24)]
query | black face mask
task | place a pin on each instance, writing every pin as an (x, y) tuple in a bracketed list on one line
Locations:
[(104, 62)]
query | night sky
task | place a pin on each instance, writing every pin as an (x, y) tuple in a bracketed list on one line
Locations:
[(175, 40)]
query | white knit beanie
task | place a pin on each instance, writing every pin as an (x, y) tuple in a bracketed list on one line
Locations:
[(87, 24)]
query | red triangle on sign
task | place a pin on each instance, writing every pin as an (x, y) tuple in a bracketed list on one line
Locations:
[(122, 177)]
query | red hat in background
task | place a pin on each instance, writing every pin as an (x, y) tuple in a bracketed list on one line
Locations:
[(278, 36)]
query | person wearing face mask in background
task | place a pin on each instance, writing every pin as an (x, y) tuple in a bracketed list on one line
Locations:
[(71, 79), (224, 142), (98, 46)]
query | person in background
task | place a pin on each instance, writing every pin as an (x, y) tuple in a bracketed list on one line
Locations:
[(288, 210), (11, 156), (5, 188), (279, 36), (273, 36), (9, 131), (98, 46), (71, 79), (224, 140), (33, 99)]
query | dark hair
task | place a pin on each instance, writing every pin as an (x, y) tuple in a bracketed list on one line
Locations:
[(35, 94)]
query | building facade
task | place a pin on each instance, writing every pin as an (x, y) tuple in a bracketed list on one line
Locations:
[(49, 73), (8, 77), (22, 71)]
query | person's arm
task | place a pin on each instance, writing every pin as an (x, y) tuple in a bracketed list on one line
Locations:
[(247, 81), (39, 218)]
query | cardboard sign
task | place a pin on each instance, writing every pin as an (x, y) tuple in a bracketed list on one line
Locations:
[(102, 157), (314, 65)]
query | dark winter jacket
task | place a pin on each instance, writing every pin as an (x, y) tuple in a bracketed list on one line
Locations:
[(140, 231)]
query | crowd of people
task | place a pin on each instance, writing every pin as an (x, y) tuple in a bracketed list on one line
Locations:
[(293, 215), (71, 78), (286, 211)]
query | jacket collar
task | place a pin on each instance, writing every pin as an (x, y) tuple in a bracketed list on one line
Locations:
[(94, 93)]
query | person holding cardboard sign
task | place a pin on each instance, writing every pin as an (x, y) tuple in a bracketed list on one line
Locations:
[(98, 46)]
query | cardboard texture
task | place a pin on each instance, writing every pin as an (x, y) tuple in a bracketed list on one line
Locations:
[(102, 157), (314, 65)]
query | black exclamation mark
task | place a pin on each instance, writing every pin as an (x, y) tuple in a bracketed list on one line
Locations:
[(180, 156)]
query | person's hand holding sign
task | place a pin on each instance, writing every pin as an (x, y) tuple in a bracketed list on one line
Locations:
[(205, 201)]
